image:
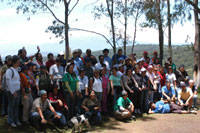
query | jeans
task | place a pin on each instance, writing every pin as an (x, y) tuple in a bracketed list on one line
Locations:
[(117, 93), (48, 115), (71, 102), (13, 107), (151, 95), (4, 103), (99, 97), (94, 116), (27, 104), (195, 100), (144, 101)]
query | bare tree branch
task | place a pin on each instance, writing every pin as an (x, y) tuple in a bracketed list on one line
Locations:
[(51, 12), (78, 29), (73, 7), (194, 5)]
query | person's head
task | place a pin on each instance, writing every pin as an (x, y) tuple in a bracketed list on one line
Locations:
[(167, 64), (96, 73), (152, 105), (168, 84), (43, 95), (129, 72), (120, 52), (145, 54), (70, 68), (121, 67), (39, 56), (92, 95), (156, 69), (75, 53), (101, 58), (8, 60), (143, 72), (105, 52), (150, 69), (183, 85), (127, 61), (82, 72), (55, 88), (170, 59), (22, 53), (161, 69), (24, 69), (124, 94), (191, 82), (50, 56), (88, 52), (137, 70), (79, 52), (170, 69), (155, 54), (88, 63), (103, 71), (15, 61), (156, 61), (58, 61), (114, 70), (43, 69), (121, 60), (182, 68), (147, 60)]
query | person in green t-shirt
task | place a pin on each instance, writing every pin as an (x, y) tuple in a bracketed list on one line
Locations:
[(70, 88), (124, 107)]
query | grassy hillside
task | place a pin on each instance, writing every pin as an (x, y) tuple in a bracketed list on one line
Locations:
[(181, 54)]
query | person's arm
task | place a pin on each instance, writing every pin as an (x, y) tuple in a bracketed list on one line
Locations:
[(112, 87), (86, 86), (132, 107), (67, 86), (91, 84), (179, 99), (168, 98), (84, 105), (191, 96), (54, 112), (41, 115), (125, 80), (151, 111)]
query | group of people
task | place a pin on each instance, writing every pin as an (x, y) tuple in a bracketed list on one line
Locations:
[(39, 92)]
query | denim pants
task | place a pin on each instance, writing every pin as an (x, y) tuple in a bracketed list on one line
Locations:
[(48, 115), (13, 107), (99, 97), (71, 103), (4, 103), (144, 101), (117, 93), (27, 104), (93, 116)]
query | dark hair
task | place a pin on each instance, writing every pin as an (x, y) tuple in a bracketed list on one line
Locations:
[(20, 51), (36, 56), (58, 60), (101, 56), (128, 70), (50, 54), (114, 68), (119, 50), (105, 50), (88, 50), (15, 58), (81, 70)]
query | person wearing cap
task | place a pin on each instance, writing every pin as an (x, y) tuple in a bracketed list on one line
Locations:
[(43, 80), (171, 77), (70, 89), (168, 92), (146, 63), (172, 64), (185, 96), (194, 91), (181, 75), (58, 102), (78, 63), (115, 58), (50, 62), (106, 57), (26, 97), (5, 67), (145, 55), (90, 56), (120, 71), (99, 64), (56, 71), (13, 92), (124, 107), (42, 111)]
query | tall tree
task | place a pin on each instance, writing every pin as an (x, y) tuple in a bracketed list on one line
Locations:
[(59, 27), (169, 28)]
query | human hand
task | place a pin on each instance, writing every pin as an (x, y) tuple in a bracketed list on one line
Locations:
[(56, 116), (43, 121), (60, 103)]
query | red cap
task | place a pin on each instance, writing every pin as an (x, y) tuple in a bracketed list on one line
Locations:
[(155, 52), (145, 52)]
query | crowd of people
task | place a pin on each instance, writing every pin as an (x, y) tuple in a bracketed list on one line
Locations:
[(39, 92)]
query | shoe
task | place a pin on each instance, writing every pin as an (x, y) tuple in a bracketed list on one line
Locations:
[(193, 112), (18, 123), (133, 118), (13, 125)]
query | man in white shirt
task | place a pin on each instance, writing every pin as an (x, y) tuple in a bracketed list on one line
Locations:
[(99, 65), (13, 92)]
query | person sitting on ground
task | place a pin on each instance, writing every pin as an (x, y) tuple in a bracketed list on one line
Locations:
[(185, 96), (163, 107), (42, 110), (92, 108), (124, 107), (168, 92), (58, 102), (194, 90)]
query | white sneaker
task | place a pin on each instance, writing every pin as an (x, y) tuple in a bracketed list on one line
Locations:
[(193, 112), (13, 125), (18, 123)]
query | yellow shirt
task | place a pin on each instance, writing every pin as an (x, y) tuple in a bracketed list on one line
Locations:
[(184, 95)]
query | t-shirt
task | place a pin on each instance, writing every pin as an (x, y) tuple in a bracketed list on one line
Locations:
[(169, 92), (72, 80), (184, 95), (43, 105), (161, 107), (121, 102), (116, 80), (171, 77)]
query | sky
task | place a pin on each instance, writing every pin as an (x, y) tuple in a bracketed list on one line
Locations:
[(16, 31)]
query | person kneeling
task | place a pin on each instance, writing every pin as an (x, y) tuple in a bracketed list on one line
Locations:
[(124, 107), (42, 110)]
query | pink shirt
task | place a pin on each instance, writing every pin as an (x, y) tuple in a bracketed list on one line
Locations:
[(105, 80)]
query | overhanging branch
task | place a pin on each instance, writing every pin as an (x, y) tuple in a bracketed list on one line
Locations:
[(73, 7), (194, 5)]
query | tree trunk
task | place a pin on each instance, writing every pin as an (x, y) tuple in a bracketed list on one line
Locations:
[(135, 31), (197, 45), (169, 28), (125, 27), (66, 31), (160, 30)]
